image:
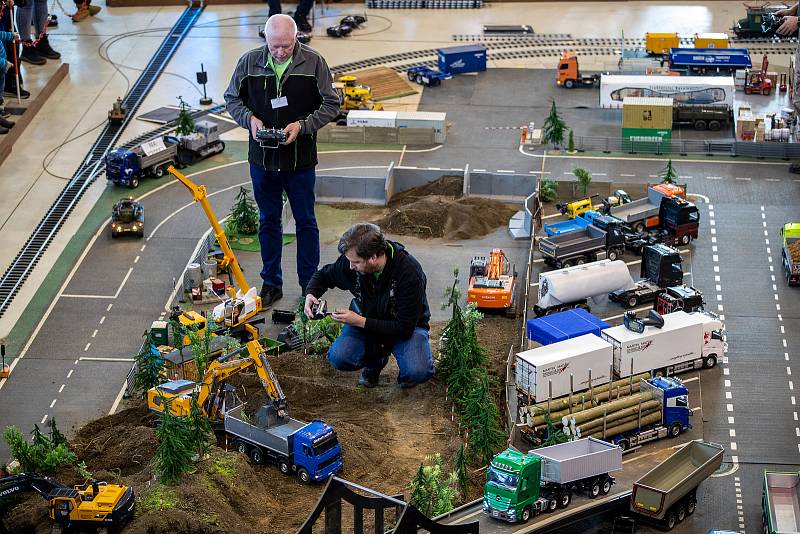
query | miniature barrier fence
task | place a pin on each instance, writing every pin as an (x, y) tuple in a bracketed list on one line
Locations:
[(360, 135), (685, 147)]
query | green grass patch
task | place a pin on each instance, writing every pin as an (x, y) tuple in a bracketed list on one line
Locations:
[(225, 466), (158, 498)]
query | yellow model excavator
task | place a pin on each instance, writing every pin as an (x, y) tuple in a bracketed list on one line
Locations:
[(353, 95), (212, 393), (244, 305)]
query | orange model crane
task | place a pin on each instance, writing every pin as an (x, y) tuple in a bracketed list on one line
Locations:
[(492, 284)]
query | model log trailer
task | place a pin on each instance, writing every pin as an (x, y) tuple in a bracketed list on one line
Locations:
[(667, 494), (780, 503), (93, 505), (790, 233), (493, 284), (519, 486), (711, 61)]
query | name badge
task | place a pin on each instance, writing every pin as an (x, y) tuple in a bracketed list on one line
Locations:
[(279, 102)]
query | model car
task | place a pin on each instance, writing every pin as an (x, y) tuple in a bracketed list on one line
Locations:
[(127, 217), (301, 36)]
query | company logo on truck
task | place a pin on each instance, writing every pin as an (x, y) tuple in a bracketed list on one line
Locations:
[(640, 346), (457, 64), (556, 369), (685, 356), (9, 491)]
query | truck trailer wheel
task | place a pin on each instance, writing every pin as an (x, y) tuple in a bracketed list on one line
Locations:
[(569, 84), (564, 499), (700, 125), (714, 126), (685, 239), (606, 487), (594, 489), (710, 361), (552, 504), (284, 467), (303, 475), (681, 513), (691, 504), (670, 520), (675, 431), (257, 456)]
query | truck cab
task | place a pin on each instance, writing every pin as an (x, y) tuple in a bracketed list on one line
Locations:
[(317, 450), (714, 338), (121, 164), (660, 268), (513, 486), (569, 75), (679, 217), (791, 252), (675, 401)]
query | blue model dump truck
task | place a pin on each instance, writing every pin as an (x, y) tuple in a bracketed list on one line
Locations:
[(711, 61)]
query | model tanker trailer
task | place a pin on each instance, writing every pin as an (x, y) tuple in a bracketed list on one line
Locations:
[(572, 287)]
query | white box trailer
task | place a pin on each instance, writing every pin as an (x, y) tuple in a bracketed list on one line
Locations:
[(424, 119), (373, 119), (537, 369), (687, 341), (682, 89)]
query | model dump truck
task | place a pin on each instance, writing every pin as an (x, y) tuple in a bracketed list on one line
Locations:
[(712, 117), (643, 213), (569, 74), (557, 369), (686, 341), (660, 268), (668, 492), (572, 287), (780, 503), (582, 246), (309, 449), (678, 224), (658, 410), (791, 252), (519, 486), (711, 61)]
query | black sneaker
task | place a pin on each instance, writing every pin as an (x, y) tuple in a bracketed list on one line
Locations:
[(270, 295), (12, 92), (3, 131), (31, 55), (4, 114), (45, 50), (302, 23), (6, 123), (367, 379), (52, 21)]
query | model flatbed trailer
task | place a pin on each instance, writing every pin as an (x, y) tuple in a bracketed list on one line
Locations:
[(668, 492), (780, 503)]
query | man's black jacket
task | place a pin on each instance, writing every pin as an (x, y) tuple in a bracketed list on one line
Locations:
[(393, 304)]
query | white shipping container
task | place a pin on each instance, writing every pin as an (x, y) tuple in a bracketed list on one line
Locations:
[(424, 119), (537, 368), (681, 344), (375, 119), (682, 89)]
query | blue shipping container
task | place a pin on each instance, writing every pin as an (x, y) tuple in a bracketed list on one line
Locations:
[(461, 59), (727, 58), (564, 325)]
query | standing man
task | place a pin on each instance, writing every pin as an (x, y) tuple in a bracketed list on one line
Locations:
[(285, 85), (300, 14), (389, 314)]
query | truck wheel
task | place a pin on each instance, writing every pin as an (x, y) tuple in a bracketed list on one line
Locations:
[(681, 513), (765, 92), (159, 172), (567, 263), (552, 504), (580, 261), (606, 487), (134, 183), (564, 499), (714, 126), (670, 520), (700, 125), (594, 490), (710, 361), (410, 76), (257, 456), (284, 467), (624, 444), (638, 227), (569, 84), (685, 239), (632, 301), (240, 446), (675, 431), (691, 504), (526, 514), (303, 475), (613, 255)]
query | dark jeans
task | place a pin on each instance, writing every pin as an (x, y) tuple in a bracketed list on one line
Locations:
[(35, 11), (268, 188), (303, 7), (413, 355)]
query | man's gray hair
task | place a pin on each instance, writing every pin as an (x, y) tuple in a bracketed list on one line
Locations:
[(277, 19)]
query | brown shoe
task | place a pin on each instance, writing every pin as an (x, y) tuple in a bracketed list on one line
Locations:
[(82, 14), (94, 10)]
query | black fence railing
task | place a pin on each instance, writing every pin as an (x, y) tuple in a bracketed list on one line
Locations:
[(685, 147)]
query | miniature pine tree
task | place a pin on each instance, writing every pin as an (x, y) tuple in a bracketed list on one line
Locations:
[(243, 219), (571, 142), (149, 365), (461, 471), (547, 190), (39, 439), (419, 490), (554, 126), (584, 178), (668, 174), (173, 456), (185, 120), (200, 344), (482, 417), (200, 430), (433, 492), (56, 437)]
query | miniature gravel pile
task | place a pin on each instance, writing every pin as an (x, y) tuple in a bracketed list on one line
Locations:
[(438, 209)]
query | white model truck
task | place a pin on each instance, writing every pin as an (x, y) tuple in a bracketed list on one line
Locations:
[(686, 341), (572, 287)]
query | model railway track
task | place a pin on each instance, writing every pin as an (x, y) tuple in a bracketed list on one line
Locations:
[(44, 233), (551, 38)]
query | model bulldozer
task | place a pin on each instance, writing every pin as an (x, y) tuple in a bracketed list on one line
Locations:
[(353, 95), (244, 305), (93, 505), (213, 396), (493, 284)]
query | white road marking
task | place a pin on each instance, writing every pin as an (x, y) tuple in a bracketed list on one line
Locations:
[(714, 177), (114, 296), (89, 359), (142, 249), (61, 388), (772, 179), (43, 419), (743, 178), (94, 333), (53, 403), (108, 308), (628, 175), (87, 347), (70, 373), (506, 171), (136, 260), (102, 319)]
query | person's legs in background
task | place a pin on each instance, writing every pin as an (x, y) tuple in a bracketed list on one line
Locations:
[(268, 192), (85, 10), (43, 47), (24, 21), (274, 7), (11, 54), (5, 125), (299, 187), (414, 358), (301, 15)]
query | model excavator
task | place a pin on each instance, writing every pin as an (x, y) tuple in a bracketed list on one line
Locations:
[(93, 505), (493, 284), (244, 305), (212, 394)]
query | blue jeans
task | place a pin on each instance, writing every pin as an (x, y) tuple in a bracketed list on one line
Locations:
[(35, 11), (413, 355), (268, 188)]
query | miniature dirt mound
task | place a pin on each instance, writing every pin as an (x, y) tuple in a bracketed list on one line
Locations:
[(437, 209)]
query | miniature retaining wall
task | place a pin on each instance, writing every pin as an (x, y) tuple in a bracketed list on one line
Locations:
[(359, 135)]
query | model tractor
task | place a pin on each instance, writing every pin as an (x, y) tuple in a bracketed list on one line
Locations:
[(493, 284), (127, 217), (118, 112), (95, 506)]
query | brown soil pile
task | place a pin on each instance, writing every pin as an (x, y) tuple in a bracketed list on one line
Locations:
[(438, 209)]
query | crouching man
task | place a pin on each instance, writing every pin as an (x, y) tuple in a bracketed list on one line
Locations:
[(389, 313)]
